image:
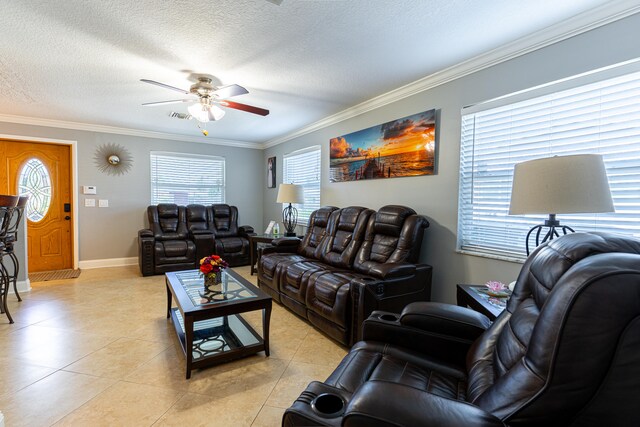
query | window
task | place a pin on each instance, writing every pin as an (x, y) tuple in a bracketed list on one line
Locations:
[(34, 181), (597, 112), (302, 167), (187, 178)]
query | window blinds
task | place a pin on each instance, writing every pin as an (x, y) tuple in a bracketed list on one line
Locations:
[(303, 168), (187, 178), (601, 117)]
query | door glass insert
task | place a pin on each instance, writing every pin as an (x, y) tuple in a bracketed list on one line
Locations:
[(34, 181)]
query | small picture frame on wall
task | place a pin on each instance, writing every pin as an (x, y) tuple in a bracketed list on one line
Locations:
[(271, 172)]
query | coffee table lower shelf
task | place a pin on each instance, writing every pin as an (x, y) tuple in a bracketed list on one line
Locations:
[(216, 340)]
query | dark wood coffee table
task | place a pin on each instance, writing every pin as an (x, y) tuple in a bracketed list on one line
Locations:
[(208, 321)]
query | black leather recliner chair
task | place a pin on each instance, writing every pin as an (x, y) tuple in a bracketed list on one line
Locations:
[(565, 352), (166, 246)]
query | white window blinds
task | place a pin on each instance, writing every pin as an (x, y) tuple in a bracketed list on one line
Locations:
[(601, 117), (187, 178), (303, 168)]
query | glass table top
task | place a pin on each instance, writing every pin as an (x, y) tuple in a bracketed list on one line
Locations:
[(229, 288)]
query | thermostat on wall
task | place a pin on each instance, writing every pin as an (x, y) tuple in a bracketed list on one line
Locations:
[(89, 189)]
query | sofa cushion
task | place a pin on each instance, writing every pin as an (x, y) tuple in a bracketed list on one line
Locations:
[(393, 235), (296, 277), (316, 231), (345, 233), (174, 251), (372, 361), (229, 245), (328, 296)]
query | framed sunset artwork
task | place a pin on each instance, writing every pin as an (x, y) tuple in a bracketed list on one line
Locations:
[(402, 147)]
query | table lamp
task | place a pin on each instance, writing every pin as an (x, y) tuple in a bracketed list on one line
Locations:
[(557, 185), (290, 193)]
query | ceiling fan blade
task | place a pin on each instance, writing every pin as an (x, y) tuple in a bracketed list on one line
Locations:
[(228, 91), (244, 107), (175, 101), (177, 89)]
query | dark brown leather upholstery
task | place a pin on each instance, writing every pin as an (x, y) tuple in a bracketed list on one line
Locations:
[(166, 245), (350, 262), (179, 237), (565, 352), (231, 241)]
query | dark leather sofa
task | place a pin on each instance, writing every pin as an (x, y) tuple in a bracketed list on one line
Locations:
[(565, 352), (178, 237), (350, 262)]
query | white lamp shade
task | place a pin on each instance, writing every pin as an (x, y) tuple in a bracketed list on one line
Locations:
[(561, 184), (290, 193)]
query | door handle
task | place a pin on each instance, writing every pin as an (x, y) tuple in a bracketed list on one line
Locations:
[(67, 217)]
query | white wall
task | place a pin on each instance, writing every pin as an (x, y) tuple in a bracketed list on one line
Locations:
[(107, 233), (437, 196)]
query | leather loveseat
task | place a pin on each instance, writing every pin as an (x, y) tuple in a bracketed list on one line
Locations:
[(178, 237), (350, 262), (564, 352)]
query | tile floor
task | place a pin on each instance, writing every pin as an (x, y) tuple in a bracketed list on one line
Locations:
[(99, 351)]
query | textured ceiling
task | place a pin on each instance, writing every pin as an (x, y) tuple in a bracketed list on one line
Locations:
[(81, 61)]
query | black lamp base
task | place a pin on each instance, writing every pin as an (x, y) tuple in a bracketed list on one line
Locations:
[(553, 225), (290, 220)]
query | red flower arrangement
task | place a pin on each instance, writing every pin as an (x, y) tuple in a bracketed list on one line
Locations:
[(212, 264)]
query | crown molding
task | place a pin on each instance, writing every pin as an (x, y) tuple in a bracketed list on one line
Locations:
[(124, 131), (589, 20)]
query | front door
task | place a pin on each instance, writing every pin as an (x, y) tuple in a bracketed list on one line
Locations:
[(42, 171)]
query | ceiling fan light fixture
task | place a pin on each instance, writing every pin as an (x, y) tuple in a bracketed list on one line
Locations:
[(199, 112), (215, 112)]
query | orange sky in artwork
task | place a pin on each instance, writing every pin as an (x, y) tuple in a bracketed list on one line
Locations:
[(413, 139)]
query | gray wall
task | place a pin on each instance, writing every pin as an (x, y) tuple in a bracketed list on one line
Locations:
[(437, 196), (112, 232)]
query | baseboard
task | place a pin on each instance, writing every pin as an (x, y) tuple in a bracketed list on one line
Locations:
[(108, 262), (23, 286)]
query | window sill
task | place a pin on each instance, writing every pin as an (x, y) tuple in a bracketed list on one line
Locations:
[(509, 258)]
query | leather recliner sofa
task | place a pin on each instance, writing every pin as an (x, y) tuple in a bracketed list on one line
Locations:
[(180, 236), (564, 352), (350, 262)]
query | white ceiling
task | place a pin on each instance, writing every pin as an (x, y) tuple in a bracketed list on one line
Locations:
[(81, 61)]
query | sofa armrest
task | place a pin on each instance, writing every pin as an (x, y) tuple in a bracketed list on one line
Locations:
[(445, 319), (392, 270), (379, 403), (146, 258), (282, 245), (287, 242), (205, 241), (246, 231), (145, 233), (425, 327), (391, 294)]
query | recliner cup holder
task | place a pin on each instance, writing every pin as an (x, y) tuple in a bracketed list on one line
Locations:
[(328, 405), (389, 317)]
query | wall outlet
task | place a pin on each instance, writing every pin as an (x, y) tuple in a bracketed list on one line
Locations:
[(103, 203), (89, 203)]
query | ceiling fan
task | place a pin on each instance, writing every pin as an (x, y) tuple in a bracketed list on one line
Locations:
[(205, 107)]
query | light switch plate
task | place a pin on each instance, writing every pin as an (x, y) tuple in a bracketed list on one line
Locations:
[(103, 203), (90, 203)]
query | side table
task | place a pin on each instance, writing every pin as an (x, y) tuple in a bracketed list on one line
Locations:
[(265, 239), (253, 247), (468, 296)]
